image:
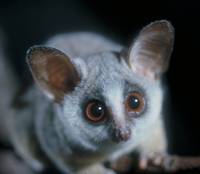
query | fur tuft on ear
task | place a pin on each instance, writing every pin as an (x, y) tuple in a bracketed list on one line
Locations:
[(53, 71), (150, 52)]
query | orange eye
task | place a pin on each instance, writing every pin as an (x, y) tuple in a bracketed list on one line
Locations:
[(134, 102), (94, 111)]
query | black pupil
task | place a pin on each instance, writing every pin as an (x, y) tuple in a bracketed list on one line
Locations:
[(96, 110), (133, 102)]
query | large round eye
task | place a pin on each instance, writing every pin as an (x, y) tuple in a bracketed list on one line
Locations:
[(134, 102), (94, 111)]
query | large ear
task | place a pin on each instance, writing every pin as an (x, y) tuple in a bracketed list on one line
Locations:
[(151, 50), (53, 71)]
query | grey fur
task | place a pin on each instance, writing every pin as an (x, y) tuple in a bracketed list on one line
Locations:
[(61, 132)]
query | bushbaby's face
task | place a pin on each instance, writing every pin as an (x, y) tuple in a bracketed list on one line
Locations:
[(111, 105)]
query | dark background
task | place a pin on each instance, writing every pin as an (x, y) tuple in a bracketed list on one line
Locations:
[(27, 23)]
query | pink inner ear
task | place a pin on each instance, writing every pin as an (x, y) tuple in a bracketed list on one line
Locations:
[(53, 71), (147, 68), (150, 53), (148, 57)]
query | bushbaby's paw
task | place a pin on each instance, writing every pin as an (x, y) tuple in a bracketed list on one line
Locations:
[(154, 161)]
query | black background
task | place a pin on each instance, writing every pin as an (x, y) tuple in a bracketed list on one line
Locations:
[(27, 23)]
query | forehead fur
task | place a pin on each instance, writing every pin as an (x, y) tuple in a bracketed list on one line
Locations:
[(109, 70)]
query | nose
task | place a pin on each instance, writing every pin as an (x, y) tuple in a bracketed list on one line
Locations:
[(124, 134)]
